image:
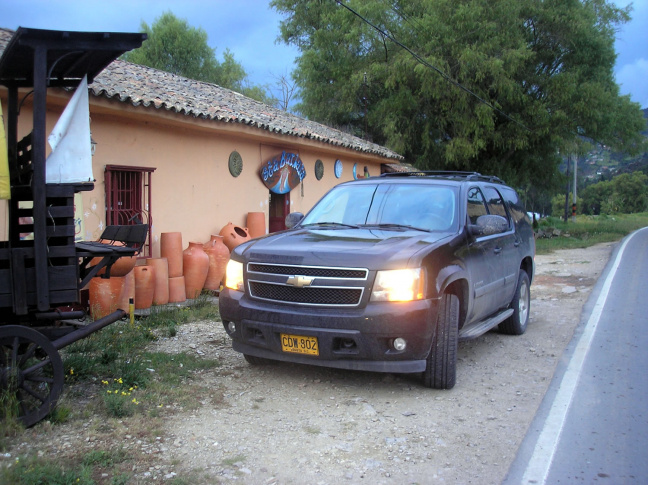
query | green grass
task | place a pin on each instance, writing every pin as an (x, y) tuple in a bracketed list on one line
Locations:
[(122, 383), (587, 231), (40, 471)]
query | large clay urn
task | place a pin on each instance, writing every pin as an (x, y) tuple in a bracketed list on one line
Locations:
[(177, 291), (218, 258), (144, 286), (234, 235), (104, 295), (161, 293), (195, 263), (256, 224), (171, 248)]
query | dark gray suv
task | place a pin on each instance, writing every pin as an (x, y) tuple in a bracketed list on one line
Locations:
[(385, 274)]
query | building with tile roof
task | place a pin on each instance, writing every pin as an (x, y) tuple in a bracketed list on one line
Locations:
[(190, 157)]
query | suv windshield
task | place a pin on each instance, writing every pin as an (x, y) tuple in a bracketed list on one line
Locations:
[(425, 207)]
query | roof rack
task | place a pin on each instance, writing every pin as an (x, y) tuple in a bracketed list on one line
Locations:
[(446, 174)]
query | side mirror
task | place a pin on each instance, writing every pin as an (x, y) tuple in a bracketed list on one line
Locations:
[(488, 225), (293, 219)]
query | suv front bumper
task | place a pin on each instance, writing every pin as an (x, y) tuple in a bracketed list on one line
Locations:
[(358, 339)]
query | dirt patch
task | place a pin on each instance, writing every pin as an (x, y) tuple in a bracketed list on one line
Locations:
[(286, 423)]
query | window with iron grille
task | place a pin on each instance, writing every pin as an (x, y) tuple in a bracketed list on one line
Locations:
[(128, 198)]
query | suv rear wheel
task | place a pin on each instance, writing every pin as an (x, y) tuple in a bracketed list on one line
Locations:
[(516, 324), (441, 369)]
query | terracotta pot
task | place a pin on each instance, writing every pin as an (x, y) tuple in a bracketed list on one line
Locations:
[(144, 286), (104, 295), (171, 248), (128, 292), (256, 224), (177, 292), (121, 267), (195, 264), (234, 235), (161, 293), (218, 258)]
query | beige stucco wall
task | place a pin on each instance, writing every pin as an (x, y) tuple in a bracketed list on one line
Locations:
[(192, 189)]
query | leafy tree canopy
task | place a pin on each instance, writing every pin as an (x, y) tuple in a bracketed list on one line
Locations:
[(173, 46), (626, 193), (496, 86)]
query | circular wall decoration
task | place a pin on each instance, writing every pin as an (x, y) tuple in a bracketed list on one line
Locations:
[(355, 171), (319, 169), (338, 168), (235, 163)]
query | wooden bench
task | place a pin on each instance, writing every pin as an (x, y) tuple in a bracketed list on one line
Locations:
[(115, 242)]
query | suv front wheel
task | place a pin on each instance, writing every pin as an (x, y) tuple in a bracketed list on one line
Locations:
[(441, 368)]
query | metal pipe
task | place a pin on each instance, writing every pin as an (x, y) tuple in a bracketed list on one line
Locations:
[(83, 332), (72, 315)]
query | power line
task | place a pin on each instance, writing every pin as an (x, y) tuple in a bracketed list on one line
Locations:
[(434, 68)]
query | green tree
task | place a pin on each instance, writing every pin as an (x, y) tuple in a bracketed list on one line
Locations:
[(174, 46), (626, 193), (594, 196), (498, 86)]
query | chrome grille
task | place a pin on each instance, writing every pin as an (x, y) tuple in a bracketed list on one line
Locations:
[(325, 286), (308, 296), (317, 271)]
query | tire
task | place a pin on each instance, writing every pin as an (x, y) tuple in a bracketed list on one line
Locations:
[(253, 360), (516, 324), (441, 368)]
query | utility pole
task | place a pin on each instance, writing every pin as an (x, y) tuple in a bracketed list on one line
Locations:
[(566, 214), (575, 187)]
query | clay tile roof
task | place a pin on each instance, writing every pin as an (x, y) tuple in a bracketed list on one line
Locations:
[(145, 86)]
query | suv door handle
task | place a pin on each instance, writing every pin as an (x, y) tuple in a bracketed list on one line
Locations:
[(497, 250)]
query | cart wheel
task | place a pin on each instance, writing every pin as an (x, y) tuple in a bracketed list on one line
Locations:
[(31, 370)]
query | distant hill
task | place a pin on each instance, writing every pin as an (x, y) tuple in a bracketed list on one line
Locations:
[(603, 163)]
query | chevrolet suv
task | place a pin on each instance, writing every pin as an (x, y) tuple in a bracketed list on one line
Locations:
[(385, 274)]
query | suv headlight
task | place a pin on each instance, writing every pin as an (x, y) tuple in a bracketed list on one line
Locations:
[(234, 275), (399, 285)]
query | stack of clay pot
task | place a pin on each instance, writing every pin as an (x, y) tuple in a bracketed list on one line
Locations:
[(144, 286), (171, 249), (256, 224), (161, 285)]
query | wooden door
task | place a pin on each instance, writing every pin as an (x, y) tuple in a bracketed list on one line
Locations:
[(279, 209)]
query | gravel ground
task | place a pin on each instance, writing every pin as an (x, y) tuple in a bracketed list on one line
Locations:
[(296, 424)]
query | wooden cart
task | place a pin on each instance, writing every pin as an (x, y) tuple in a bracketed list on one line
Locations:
[(41, 277)]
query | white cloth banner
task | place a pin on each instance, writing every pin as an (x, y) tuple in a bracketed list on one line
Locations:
[(71, 159)]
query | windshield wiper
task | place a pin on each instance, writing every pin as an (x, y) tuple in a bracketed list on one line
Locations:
[(396, 226), (338, 224)]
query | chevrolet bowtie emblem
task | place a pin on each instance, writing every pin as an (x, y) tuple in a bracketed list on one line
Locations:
[(299, 281)]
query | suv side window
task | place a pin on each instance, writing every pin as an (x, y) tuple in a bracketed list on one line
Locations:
[(495, 203), (476, 205)]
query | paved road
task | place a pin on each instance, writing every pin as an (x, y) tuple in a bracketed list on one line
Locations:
[(592, 426)]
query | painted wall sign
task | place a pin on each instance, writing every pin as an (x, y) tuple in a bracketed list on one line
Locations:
[(282, 173)]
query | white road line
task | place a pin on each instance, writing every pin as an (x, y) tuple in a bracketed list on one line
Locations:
[(543, 453)]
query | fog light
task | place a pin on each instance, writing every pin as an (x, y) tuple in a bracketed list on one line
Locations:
[(399, 344), (231, 327)]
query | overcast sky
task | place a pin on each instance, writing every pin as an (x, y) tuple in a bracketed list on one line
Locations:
[(249, 28)]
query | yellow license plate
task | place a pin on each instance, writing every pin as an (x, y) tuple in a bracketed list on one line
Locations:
[(298, 344)]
